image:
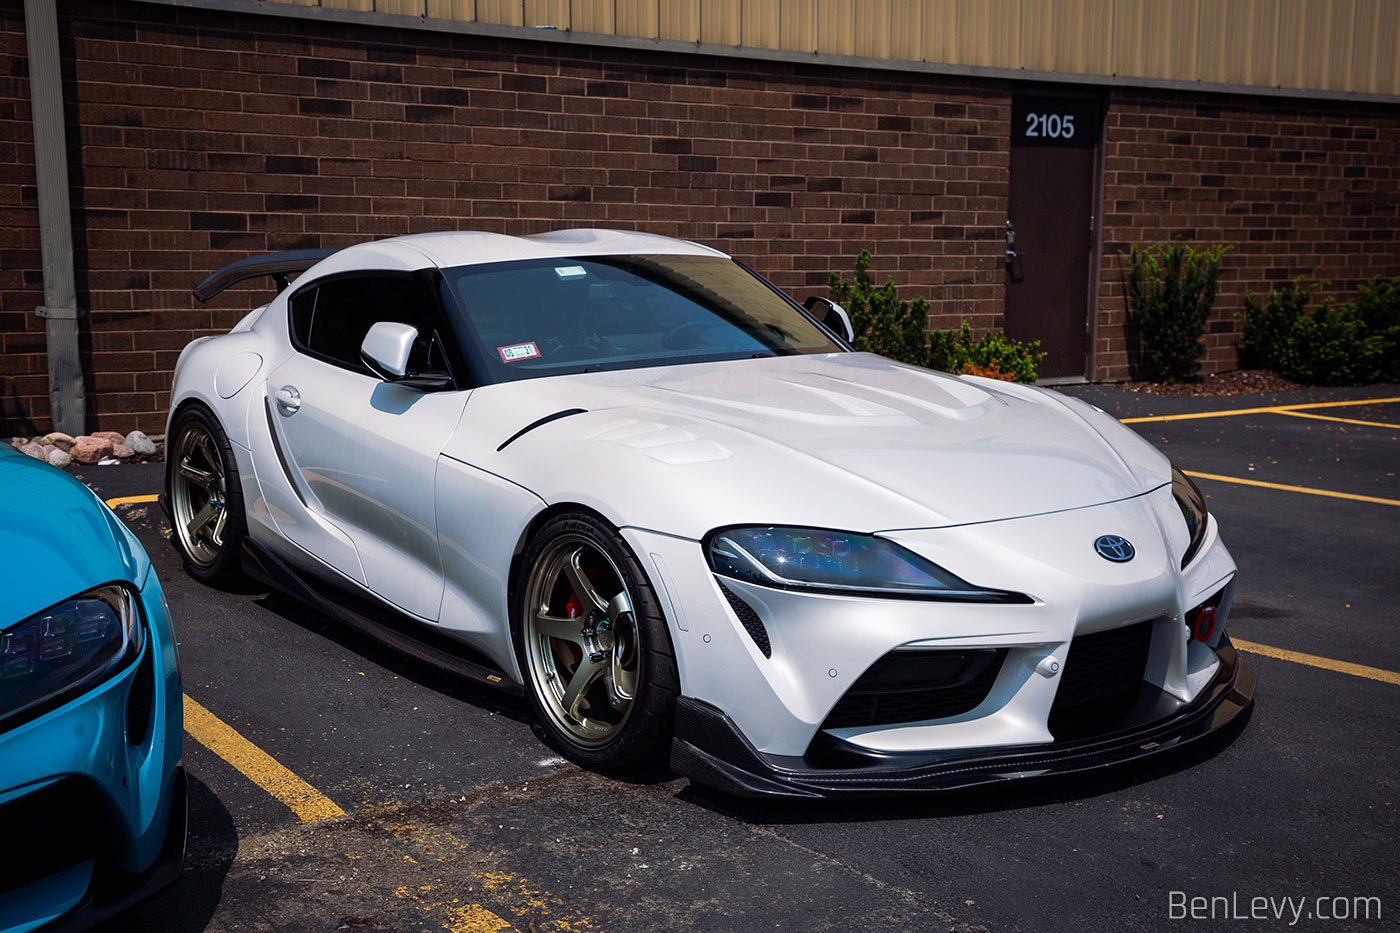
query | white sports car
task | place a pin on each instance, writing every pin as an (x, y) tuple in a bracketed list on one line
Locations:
[(626, 476)]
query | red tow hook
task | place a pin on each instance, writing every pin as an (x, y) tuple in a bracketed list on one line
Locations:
[(1203, 626)]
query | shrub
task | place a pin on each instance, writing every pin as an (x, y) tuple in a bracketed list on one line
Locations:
[(898, 329), (1331, 344), (1170, 291), (882, 323)]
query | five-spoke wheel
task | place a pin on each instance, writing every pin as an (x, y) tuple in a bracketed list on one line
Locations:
[(593, 645), (203, 496)]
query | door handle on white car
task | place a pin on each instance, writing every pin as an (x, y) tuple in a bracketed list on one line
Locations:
[(288, 400)]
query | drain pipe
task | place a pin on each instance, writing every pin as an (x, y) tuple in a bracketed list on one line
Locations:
[(60, 309)]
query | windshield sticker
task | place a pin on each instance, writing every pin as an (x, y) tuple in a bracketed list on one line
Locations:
[(570, 272), (518, 351)]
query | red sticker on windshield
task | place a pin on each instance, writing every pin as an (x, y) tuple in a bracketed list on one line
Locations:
[(518, 351)]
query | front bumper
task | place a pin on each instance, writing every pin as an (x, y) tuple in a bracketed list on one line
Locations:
[(92, 793), (709, 748)]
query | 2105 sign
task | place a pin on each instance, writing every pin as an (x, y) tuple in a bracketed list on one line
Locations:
[(1052, 125)]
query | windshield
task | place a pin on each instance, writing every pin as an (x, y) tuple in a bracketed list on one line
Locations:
[(544, 317)]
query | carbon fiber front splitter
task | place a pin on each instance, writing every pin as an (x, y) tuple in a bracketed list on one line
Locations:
[(709, 748)]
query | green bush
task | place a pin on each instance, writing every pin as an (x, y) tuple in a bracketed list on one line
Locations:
[(898, 330), (882, 323), (1170, 290), (1347, 344)]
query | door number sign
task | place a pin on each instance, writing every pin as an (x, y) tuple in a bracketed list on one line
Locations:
[(1051, 125), (1057, 122)]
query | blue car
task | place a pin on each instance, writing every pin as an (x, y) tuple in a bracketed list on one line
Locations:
[(92, 787)]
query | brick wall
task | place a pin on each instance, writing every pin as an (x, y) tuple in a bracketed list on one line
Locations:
[(1307, 188), (201, 137)]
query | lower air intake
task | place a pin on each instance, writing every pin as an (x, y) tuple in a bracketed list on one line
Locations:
[(916, 685)]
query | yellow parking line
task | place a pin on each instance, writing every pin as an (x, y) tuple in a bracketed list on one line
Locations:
[(1312, 660), (1272, 409), (1369, 424), (309, 804), (130, 500), (1305, 489)]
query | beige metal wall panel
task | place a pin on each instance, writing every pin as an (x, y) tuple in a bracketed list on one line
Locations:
[(547, 13), (679, 20), (1327, 46), (598, 16), (834, 26), (759, 26), (796, 23), (463, 11), (907, 30), (500, 12), (399, 7), (640, 18), (720, 21)]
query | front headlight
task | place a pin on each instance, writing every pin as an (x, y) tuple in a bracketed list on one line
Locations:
[(67, 648), (814, 559), (1193, 508)]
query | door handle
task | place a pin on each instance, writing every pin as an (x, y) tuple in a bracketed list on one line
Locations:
[(288, 400)]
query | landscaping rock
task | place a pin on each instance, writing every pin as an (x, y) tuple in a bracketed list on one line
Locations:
[(59, 457), (33, 450), (140, 443), (18, 442), (59, 439), (89, 449), (122, 452), (112, 436), (48, 449)]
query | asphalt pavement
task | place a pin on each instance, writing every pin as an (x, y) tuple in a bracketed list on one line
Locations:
[(459, 817)]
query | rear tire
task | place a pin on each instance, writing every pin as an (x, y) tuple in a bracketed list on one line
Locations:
[(205, 497), (594, 647)]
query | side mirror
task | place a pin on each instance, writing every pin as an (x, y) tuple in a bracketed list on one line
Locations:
[(832, 315), (386, 347)]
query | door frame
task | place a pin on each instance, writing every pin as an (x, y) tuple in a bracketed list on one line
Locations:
[(1105, 96)]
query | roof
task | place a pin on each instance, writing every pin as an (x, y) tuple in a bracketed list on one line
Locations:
[(419, 250)]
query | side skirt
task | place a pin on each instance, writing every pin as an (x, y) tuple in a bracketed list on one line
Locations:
[(384, 624)]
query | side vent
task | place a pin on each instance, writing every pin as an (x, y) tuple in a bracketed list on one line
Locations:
[(750, 620), (140, 699)]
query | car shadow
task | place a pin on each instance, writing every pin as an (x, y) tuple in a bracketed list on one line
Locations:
[(408, 668), (188, 905), (1018, 795)]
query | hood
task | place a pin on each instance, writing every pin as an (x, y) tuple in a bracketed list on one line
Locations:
[(848, 440), (56, 538)]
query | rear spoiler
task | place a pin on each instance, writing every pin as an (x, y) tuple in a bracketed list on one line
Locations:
[(281, 265)]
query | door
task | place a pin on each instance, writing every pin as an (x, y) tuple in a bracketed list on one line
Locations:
[(363, 452), (1050, 227)]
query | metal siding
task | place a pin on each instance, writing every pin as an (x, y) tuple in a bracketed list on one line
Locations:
[(598, 16), (640, 18), (720, 21), (548, 13), (1316, 45), (500, 12)]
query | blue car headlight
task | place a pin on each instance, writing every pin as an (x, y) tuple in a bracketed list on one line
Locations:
[(67, 648), (1193, 508), (818, 560)]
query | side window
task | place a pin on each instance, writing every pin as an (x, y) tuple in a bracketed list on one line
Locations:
[(330, 321)]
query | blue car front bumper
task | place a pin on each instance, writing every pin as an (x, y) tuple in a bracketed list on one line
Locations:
[(92, 794)]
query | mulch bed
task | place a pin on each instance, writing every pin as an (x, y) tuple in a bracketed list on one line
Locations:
[(1231, 383)]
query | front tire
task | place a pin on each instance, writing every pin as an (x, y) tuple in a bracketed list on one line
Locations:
[(205, 496), (594, 646)]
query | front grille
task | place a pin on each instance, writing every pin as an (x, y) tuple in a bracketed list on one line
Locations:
[(1101, 681), (140, 699), (51, 829), (749, 618), (912, 686)]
